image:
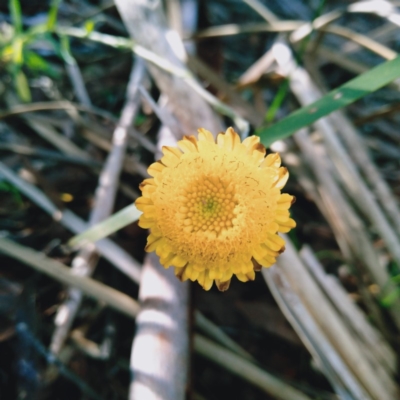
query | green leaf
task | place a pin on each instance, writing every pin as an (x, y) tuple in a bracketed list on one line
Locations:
[(390, 298), (52, 18), (16, 15), (277, 102), (22, 86), (344, 95), (12, 190), (105, 228), (18, 47), (36, 63)]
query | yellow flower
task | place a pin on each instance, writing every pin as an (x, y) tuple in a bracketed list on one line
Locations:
[(214, 209)]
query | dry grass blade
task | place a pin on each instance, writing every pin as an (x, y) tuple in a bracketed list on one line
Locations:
[(219, 336), (362, 40), (359, 153), (58, 141), (306, 92), (349, 229), (235, 29), (242, 107), (113, 298), (265, 12), (74, 73), (144, 27), (375, 344), (107, 248), (53, 105), (246, 370), (324, 353), (370, 374), (49, 154), (84, 263)]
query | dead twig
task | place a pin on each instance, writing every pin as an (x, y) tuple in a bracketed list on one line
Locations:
[(86, 260)]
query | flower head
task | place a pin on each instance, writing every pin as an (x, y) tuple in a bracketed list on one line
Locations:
[(214, 208)]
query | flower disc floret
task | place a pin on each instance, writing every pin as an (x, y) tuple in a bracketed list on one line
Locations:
[(214, 208)]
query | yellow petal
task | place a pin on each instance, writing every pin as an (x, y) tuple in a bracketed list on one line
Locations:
[(259, 252), (155, 169), (266, 261), (143, 201), (281, 216), (287, 225), (147, 182), (188, 144), (277, 240), (273, 245), (153, 242), (145, 222), (272, 160), (171, 150), (205, 135), (246, 266), (179, 272), (251, 142), (178, 261), (222, 285), (282, 178), (286, 198), (171, 156), (194, 275), (231, 139), (227, 275), (285, 202), (166, 261), (249, 276), (204, 280)]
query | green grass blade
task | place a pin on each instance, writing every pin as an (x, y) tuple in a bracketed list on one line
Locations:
[(105, 228), (16, 15), (52, 17), (277, 102), (22, 86), (344, 95)]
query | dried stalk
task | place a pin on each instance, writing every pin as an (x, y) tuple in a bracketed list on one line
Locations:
[(374, 344), (111, 297), (349, 229), (219, 335), (246, 370), (86, 260), (48, 154), (74, 73), (107, 248), (60, 142), (371, 375), (159, 358), (304, 89), (303, 322), (241, 106), (359, 153)]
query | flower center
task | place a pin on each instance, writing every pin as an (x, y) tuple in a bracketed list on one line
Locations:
[(210, 206)]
